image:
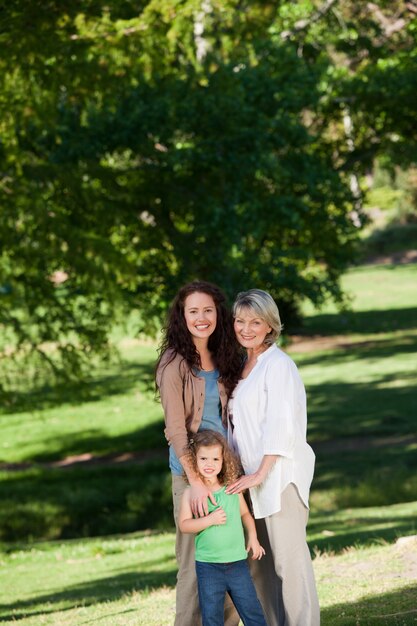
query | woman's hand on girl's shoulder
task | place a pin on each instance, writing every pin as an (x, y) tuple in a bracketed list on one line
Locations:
[(243, 483), (199, 495)]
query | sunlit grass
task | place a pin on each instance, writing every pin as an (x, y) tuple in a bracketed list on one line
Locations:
[(130, 579), (110, 413), (375, 288)]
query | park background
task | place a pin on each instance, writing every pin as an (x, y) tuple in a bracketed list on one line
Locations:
[(251, 143)]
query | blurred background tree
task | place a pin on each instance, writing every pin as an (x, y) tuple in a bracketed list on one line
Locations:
[(145, 144)]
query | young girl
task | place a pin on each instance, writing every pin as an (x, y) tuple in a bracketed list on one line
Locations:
[(220, 553), (199, 365)]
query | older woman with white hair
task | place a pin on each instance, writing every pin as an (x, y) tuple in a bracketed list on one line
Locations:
[(267, 427)]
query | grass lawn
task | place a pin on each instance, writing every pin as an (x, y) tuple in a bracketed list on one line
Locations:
[(114, 411), (391, 289), (71, 552), (129, 580)]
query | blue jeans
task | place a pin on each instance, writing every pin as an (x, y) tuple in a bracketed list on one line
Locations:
[(214, 579)]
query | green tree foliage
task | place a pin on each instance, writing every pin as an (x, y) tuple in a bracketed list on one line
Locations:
[(144, 144), (373, 52)]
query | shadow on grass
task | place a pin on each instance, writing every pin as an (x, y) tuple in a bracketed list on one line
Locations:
[(380, 407), (364, 322), (84, 502), (360, 531), (92, 501), (392, 464), (108, 589), (122, 378), (363, 350), (336, 409), (393, 608)]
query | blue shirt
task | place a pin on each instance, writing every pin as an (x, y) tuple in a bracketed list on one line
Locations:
[(211, 419)]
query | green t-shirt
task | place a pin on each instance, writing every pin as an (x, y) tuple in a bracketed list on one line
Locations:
[(224, 543)]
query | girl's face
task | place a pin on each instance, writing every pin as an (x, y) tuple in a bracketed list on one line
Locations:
[(200, 315), (209, 461), (250, 330)]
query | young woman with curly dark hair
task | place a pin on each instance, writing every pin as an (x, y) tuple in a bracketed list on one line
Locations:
[(198, 367)]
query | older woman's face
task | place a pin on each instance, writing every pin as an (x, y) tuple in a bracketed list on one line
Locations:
[(250, 330)]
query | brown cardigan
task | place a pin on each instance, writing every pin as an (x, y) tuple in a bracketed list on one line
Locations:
[(182, 398)]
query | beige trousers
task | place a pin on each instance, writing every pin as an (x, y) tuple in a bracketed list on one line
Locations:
[(284, 578), (187, 608)]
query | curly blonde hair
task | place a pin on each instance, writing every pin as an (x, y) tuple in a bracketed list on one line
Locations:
[(231, 467)]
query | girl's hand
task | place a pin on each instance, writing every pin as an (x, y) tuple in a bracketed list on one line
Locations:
[(198, 499), (257, 550), (218, 517), (243, 483)]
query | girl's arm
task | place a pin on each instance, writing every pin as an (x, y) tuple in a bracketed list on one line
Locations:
[(253, 480), (186, 522), (249, 524)]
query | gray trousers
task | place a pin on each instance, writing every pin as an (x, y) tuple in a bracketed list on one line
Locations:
[(284, 578), (187, 608)]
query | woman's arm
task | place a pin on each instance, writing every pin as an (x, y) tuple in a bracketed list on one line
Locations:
[(170, 383), (279, 386), (249, 524), (253, 480), (188, 524), (170, 380)]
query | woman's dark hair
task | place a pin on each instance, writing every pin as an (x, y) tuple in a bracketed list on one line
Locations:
[(222, 343)]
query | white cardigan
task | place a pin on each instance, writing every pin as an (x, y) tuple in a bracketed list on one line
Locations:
[(269, 416)]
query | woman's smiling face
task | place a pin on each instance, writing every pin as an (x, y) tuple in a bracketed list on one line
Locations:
[(200, 315), (250, 330)]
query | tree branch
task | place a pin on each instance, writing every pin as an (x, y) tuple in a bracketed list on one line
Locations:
[(389, 25), (307, 22)]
